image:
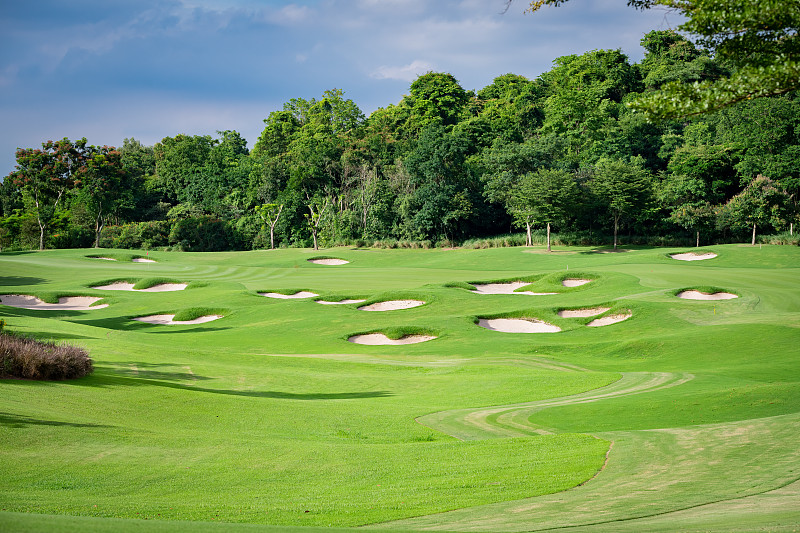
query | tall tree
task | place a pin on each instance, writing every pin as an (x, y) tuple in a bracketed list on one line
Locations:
[(546, 196), (687, 199), (99, 182), (624, 187), (45, 175), (270, 213), (762, 202)]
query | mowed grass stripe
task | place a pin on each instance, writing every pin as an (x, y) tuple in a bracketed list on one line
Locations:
[(652, 473)]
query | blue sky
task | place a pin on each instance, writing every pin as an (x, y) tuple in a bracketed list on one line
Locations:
[(147, 69)]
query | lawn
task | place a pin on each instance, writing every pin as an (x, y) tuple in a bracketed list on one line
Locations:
[(687, 413)]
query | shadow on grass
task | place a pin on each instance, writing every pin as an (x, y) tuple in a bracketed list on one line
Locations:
[(18, 252), (8, 310), (6, 281), (17, 421), (147, 371), (620, 249), (136, 374)]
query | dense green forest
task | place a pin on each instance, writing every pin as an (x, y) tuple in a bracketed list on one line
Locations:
[(444, 166)]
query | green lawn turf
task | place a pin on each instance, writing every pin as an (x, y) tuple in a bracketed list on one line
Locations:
[(269, 416)]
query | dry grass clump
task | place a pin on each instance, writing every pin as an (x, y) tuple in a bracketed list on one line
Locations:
[(21, 357)]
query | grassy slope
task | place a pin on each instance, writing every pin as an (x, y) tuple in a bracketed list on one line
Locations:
[(269, 413)]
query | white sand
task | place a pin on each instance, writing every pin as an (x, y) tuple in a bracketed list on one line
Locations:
[(167, 319), (518, 325), (506, 288), (165, 287), (124, 286), (68, 303), (116, 286), (329, 261), (582, 313), (142, 260), (697, 295), (375, 339), (391, 305), (610, 319), (104, 258), (575, 282), (691, 256), (301, 294), (340, 302)]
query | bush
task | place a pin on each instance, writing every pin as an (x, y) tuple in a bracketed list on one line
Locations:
[(25, 358), (203, 234), (154, 233), (72, 237), (780, 238)]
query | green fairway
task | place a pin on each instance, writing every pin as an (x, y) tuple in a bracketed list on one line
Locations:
[(684, 416)]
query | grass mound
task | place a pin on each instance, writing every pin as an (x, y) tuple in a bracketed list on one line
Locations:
[(21, 357)]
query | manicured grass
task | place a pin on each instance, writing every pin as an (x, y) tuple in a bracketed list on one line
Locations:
[(268, 416)]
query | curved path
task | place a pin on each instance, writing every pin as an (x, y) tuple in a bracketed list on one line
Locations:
[(512, 420)]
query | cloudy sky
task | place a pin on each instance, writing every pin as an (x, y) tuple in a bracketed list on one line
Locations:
[(146, 69)]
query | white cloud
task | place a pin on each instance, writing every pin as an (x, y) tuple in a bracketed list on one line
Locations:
[(405, 73), (292, 14)]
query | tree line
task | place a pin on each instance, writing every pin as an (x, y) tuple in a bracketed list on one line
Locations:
[(562, 152)]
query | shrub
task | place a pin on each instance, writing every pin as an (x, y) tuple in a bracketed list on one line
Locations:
[(154, 233), (203, 234), (26, 358), (72, 237)]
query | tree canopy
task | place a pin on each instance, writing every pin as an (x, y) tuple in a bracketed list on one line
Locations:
[(756, 41)]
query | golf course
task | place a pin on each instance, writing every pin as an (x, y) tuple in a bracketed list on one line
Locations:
[(495, 390)]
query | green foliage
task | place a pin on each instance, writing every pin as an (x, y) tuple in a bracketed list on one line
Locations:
[(623, 187), (443, 166), (757, 39), (762, 202), (203, 234)]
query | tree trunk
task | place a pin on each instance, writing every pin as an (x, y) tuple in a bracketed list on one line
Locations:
[(314, 235), (272, 237), (616, 227), (791, 228), (548, 237), (697, 244), (98, 229), (529, 242), (754, 235), (41, 236)]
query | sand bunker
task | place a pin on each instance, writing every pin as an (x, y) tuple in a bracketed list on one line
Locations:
[(103, 258), (391, 305), (328, 261), (375, 339), (582, 313), (575, 282), (340, 302), (518, 325), (301, 294), (125, 286), (66, 303), (691, 256), (610, 319), (697, 295), (142, 260), (167, 319), (506, 288)]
